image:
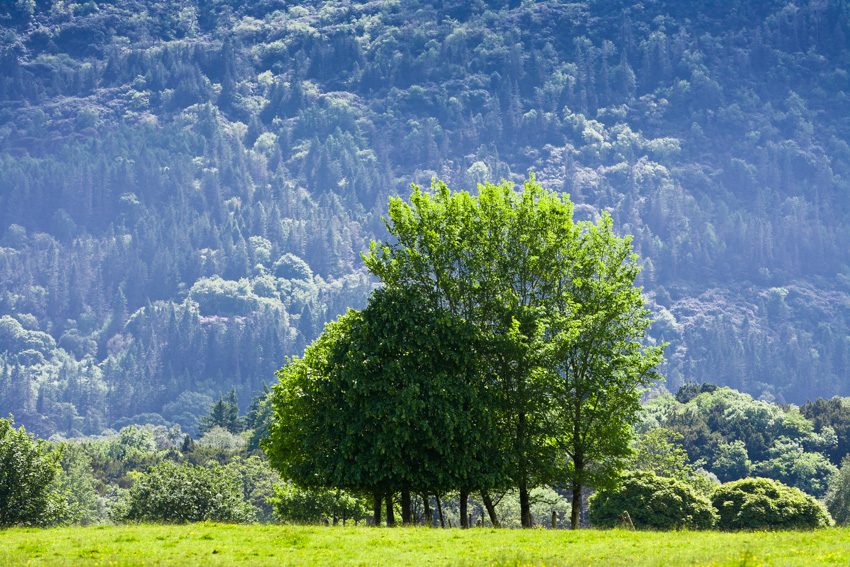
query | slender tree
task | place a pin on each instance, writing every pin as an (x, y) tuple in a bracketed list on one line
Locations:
[(597, 363)]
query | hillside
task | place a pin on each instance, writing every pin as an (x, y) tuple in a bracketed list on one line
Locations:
[(185, 186)]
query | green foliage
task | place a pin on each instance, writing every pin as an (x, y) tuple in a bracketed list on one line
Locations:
[(385, 399), (545, 293), (690, 391), (115, 457), (835, 414), (76, 479), (258, 481), (654, 412), (837, 498), (132, 443), (652, 502), (790, 464), (221, 439), (599, 366), (291, 267), (657, 452), (186, 493), (29, 495), (314, 506), (760, 503), (731, 461), (733, 435), (259, 418)]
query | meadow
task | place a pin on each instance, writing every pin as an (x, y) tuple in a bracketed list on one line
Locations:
[(219, 544)]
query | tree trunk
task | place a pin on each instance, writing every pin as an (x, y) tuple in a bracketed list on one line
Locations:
[(576, 508), (426, 506), (524, 504), (440, 511), (464, 497), (376, 509), (405, 507), (390, 511), (491, 510), (524, 501)]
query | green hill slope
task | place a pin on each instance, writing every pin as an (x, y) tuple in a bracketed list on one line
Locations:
[(185, 186)]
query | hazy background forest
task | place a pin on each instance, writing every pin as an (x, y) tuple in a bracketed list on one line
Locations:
[(185, 186)]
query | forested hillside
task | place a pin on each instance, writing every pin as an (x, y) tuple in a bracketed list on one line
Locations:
[(185, 186)]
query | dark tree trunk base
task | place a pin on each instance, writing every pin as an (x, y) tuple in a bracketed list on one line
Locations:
[(491, 509)]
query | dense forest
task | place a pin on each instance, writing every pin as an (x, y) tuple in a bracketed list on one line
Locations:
[(185, 187)]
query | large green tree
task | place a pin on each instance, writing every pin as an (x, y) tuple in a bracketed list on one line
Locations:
[(557, 304), (495, 260), (388, 399), (504, 348), (598, 364)]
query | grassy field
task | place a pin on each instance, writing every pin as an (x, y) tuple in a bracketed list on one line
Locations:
[(215, 544)]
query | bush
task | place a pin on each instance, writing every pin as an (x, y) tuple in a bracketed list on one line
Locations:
[(171, 493), (838, 498), (652, 502), (756, 503), (29, 495), (292, 504)]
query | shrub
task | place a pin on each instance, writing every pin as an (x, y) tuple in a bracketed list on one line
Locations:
[(292, 504), (756, 503), (172, 493), (29, 495), (652, 502), (838, 498)]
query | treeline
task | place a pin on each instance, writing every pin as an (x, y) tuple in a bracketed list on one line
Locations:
[(697, 438), (145, 147), (733, 436)]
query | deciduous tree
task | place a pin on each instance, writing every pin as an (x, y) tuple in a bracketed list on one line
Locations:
[(598, 364), (493, 260), (388, 399), (28, 494)]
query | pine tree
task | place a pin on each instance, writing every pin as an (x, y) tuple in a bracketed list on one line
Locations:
[(234, 422), (224, 413), (217, 416)]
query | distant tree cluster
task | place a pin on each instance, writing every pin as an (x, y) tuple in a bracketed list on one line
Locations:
[(733, 436)]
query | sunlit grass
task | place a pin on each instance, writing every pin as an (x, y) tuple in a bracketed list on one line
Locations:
[(216, 544)]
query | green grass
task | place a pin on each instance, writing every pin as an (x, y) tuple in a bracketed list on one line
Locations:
[(216, 544)]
